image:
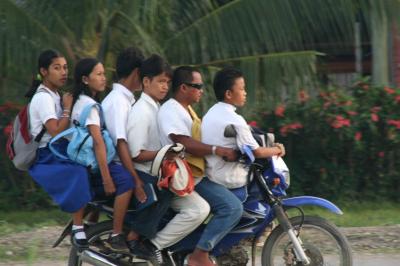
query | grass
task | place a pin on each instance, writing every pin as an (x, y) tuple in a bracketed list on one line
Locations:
[(359, 214), (355, 214), (19, 221)]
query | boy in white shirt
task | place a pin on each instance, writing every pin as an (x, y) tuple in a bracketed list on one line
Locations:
[(230, 91), (117, 106), (144, 143)]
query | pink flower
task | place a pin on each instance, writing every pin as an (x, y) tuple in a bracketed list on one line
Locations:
[(358, 136), (395, 123), (253, 123), (381, 154), (397, 99), (280, 111), (284, 130), (352, 113), (7, 130), (376, 109), (340, 121), (389, 90), (374, 117), (365, 87)]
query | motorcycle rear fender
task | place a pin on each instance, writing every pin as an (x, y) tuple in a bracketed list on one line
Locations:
[(312, 201)]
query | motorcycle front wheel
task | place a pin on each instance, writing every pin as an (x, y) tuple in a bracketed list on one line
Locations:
[(322, 242)]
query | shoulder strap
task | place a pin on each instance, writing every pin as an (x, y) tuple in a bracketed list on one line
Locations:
[(85, 113), (60, 135), (39, 137)]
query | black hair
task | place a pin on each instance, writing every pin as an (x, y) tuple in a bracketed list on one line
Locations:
[(224, 80), (127, 61), (182, 74), (83, 68), (154, 66), (44, 61)]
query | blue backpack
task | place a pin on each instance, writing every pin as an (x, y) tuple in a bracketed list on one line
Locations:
[(80, 148)]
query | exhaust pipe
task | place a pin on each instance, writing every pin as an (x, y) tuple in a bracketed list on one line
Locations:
[(94, 258)]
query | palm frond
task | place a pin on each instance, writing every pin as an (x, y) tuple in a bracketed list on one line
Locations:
[(251, 27)]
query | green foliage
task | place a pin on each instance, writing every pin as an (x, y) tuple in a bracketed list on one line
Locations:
[(275, 42), (342, 143), (356, 214)]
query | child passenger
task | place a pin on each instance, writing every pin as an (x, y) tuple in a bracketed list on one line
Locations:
[(65, 181), (90, 79)]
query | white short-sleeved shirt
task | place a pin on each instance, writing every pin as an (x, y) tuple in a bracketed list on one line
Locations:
[(116, 107), (142, 129), (173, 119), (229, 174), (83, 101), (43, 107)]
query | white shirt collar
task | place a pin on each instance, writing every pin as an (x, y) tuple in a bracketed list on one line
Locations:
[(227, 106), (124, 90), (150, 100), (55, 93)]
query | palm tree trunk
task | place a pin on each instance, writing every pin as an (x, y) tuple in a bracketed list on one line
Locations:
[(380, 46)]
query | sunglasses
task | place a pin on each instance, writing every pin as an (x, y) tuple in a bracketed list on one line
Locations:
[(198, 86)]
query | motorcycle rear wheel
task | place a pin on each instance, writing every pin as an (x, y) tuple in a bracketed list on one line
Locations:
[(322, 241), (96, 235)]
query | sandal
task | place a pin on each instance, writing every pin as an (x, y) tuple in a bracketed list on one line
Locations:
[(80, 244)]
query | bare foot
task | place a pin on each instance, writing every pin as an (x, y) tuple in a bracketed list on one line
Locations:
[(199, 260)]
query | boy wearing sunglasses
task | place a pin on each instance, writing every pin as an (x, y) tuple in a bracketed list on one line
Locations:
[(178, 122)]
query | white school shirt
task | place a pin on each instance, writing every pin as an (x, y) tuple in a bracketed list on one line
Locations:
[(43, 107), (142, 129), (173, 119), (116, 107), (230, 174), (83, 101)]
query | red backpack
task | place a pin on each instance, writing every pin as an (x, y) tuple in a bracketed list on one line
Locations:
[(173, 174), (21, 146)]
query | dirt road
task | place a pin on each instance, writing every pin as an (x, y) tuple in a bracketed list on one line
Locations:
[(371, 246)]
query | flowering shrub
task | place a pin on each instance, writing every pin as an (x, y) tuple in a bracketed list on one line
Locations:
[(342, 143)]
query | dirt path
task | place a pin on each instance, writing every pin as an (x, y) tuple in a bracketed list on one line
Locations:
[(371, 246)]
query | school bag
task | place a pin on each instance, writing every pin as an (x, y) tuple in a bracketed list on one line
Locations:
[(176, 174), (21, 146), (80, 147)]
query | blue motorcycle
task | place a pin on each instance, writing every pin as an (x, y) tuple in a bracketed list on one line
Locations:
[(298, 240)]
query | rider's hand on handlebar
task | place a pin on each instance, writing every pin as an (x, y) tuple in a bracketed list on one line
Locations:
[(228, 154), (109, 187), (281, 148)]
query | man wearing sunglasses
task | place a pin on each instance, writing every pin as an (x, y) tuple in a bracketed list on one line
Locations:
[(178, 122)]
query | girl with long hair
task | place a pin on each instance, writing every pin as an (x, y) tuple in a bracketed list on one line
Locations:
[(65, 181), (90, 80)]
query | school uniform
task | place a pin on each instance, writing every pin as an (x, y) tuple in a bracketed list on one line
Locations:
[(116, 106), (173, 118), (117, 111), (230, 174), (121, 177), (65, 181)]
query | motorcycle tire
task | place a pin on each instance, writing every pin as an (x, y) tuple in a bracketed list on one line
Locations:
[(92, 233), (313, 249)]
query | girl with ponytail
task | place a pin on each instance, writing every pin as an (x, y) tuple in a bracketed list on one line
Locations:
[(65, 181)]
